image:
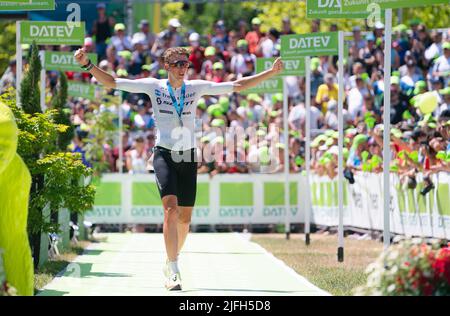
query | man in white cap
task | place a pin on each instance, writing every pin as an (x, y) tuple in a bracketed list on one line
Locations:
[(172, 31), (145, 35)]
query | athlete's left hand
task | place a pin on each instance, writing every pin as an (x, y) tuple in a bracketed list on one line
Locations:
[(277, 66)]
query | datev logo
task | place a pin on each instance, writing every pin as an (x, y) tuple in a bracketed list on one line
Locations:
[(309, 42), (313, 44), (329, 3)]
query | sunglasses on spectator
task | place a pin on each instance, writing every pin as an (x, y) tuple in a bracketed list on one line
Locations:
[(179, 64)]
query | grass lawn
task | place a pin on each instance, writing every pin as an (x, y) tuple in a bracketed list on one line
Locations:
[(51, 268), (318, 261)]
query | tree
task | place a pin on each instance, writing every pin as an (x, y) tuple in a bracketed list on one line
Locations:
[(56, 175), (59, 102), (7, 44), (201, 16), (29, 89)]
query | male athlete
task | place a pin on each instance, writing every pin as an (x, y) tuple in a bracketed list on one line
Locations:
[(174, 102)]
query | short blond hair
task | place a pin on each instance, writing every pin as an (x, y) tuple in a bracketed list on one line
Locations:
[(175, 51)]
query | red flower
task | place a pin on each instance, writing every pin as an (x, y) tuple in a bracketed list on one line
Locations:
[(428, 289), (412, 272)]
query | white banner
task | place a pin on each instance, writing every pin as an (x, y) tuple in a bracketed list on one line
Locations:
[(259, 199)]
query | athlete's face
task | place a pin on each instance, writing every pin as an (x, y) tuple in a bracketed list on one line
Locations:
[(177, 65)]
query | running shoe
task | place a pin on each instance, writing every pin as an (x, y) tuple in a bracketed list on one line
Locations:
[(173, 282)]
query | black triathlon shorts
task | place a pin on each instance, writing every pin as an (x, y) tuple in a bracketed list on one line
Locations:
[(176, 174)]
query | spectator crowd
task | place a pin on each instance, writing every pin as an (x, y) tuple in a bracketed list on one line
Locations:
[(241, 133)]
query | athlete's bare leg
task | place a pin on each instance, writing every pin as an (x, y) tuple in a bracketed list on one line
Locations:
[(170, 205), (184, 221)]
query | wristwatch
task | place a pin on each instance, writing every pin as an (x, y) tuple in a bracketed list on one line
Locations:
[(88, 67)]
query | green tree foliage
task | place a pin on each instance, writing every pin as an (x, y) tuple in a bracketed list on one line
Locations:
[(60, 172), (201, 16), (436, 16), (29, 88), (102, 132), (59, 102), (7, 44)]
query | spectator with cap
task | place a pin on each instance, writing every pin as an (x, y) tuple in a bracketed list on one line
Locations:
[(409, 73), (220, 39), (255, 110), (197, 52), (441, 66), (101, 29), (139, 56), (254, 37), (172, 33), (88, 45), (210, 59), (218, 74), (435, 49), (238, 65), (378, 30), (357, 70), (354, 161), (121, 41), (144, 35), (316, 76), (399, 102), (367, 54), (250, 64), (358, 42), (326, 92)]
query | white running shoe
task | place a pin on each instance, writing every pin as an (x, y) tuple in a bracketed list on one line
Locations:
[(173, 282)]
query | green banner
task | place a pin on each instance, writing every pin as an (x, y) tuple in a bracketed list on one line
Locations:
[(272, 85), (331, 9), (33, 5), (360, 5), (292, 66), (228, 196), (51, 33), (83, 90), (64, 61), (313, 44)]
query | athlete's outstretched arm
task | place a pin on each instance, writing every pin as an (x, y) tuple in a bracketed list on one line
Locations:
[(143, 85), (252, 81), (103, 77)]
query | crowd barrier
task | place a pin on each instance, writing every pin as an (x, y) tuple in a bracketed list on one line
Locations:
[(259, 199)]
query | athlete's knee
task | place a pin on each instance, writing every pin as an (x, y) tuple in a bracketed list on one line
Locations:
[(170, 214)]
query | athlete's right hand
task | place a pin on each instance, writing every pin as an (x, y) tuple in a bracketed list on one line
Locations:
[(81, 57)]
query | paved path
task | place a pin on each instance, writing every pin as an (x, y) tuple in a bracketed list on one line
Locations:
[(210, 264)]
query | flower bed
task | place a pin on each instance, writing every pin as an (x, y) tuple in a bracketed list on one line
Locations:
[(411, 267)]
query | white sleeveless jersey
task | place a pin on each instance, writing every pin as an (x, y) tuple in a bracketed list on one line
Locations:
[(169, 132)]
